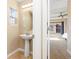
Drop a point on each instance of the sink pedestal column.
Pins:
(26, 48)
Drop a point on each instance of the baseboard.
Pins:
(68, 51)
(18, 49)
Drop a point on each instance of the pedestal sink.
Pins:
(26, 37)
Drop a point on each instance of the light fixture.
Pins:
(27, 5)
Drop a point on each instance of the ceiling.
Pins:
(57, 6)
(23, 2)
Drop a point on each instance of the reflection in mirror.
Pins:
(58, 17)
(57, 28)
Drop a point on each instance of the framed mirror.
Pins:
(57, 26)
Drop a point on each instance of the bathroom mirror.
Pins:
(27, 20)
(58, 17)
(57, 27)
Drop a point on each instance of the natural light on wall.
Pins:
(54, 38)
(27, 5)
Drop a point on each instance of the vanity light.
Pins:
(27, 5)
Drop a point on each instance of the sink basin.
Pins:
(26, 36)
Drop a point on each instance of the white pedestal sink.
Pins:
(26, 37)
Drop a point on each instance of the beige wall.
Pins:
(69, 34)
(65, 25)
(69, 7)
(69, 26)
(12, 29)
(21, 29)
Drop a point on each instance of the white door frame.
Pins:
(37, 29)
(40, 19)
(45, 18)
(44, 21)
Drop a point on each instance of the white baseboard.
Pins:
(68, 51)
(19, 49)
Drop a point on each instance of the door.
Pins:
(54, 44)
(37, 29)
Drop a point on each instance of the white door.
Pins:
(37, 29)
